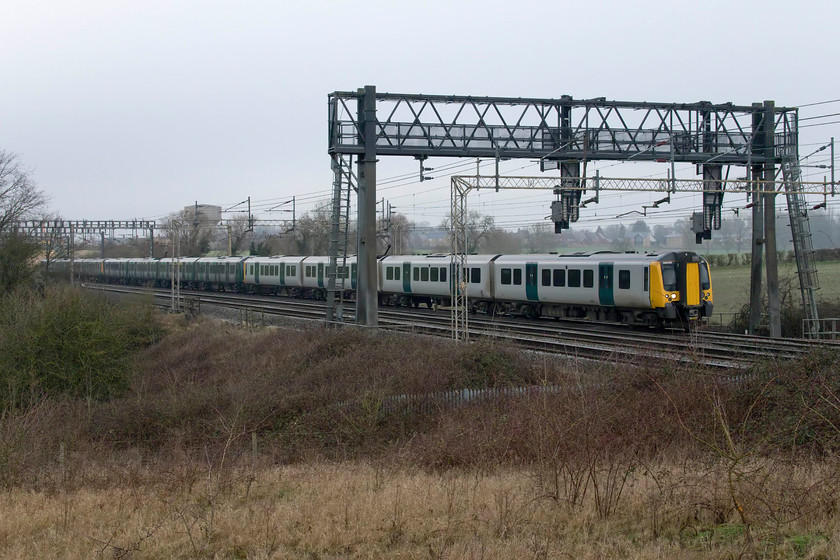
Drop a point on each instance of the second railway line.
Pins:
(575, 339)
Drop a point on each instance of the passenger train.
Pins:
(665, 289)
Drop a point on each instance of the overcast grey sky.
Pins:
(134, 110)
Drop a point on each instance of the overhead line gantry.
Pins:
(565, 133)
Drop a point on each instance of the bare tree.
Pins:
(192, 238)
(237, 230)
(478, 227)
(537, 238)
(53, 243)
(399, 234)
(20, 199)
(312, 231)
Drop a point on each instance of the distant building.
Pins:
(673, 241)
(203, 214)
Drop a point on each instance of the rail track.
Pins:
(577, 339)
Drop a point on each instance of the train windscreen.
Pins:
(705, 281)
(669, 276)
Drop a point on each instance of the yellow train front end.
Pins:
(681, 289)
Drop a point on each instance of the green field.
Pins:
(731, 285)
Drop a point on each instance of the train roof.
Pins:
(436, 258)
(592, 257)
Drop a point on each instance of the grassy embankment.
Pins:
(229, 443)
(732, 285)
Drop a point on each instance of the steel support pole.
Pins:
(367, 312)
(759, 124)
(72, 253)
(773, 302)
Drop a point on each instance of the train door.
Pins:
(321, 275)
(692, 283)
(407, 277)
(605, 284)
(282, 274)
(257, 274)
(531, 282)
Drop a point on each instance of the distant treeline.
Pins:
(742, 259)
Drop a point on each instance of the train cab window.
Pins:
(559, 279)
(647, 279)
(506, 276)
(588, 278)
(416, 274)
(623, 279)
(396, 273)
(517, 276)
(546, 277)
(424, 274)
(443, 274)
(669, 277)
(250, 269)
(574, 278)
(474, 275)
(705, 281)
(389, 273)
(434, 273)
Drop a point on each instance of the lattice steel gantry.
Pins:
(563, 134)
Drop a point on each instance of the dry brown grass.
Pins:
(233, 443)
(361, 510)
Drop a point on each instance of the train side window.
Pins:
(517, 276)
(574, 278)
(250, 269)
(416, 274)
(559, 279)
(424, 274)
(546, 277)
(588, 278)
(506, 276)
(647, 280)
(623, 279)
(389, 273)
(475, 276)
(396, 273)
(434, 272)
(443, 274)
